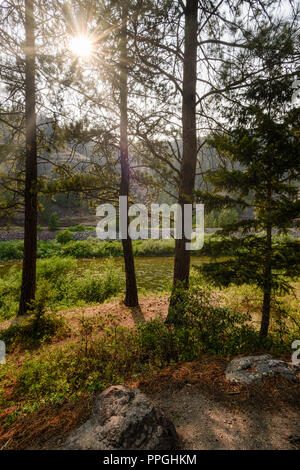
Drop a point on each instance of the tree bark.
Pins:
(131, 297)
(265, 320)
(189, 138)
(30, 226)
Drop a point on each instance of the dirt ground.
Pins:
(210, 414)
(207, 411)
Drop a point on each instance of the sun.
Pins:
(81, 46)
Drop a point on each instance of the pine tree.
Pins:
(131, 297)
(263, 149)
(31, 207)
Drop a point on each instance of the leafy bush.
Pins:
(48, 249)
(81, 228)
(96, 289)
(12, 250)
(53, 223)
(64, 237)
(55, 268)
(220, 330)
(37, 328)
(65, 285)
(10, 287)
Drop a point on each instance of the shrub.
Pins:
(65, 285)
(55, 268)
(10, 287)
(96, 289)
(64, 237)
(48, 249)
(81, 228)
(220, 330)
(12, 250)
(53, 223)
(38, 328)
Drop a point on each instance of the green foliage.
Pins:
(64, 284)
(245, 263)
(47, 249)
(95, 289)
(262, 150)
(55, 268)
(211, 219)
(9, 293)
(37, 328)
(53, 223)
(12, 250)
(91, 248)
(81, 228)
(153, 247)
(34, 331)
(45, 204)
(216, 219)
(228, 216)
(219, 330)
(64, 237)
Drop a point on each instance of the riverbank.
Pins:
(92, 247)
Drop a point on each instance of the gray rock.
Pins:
(251, 369)
(124, 418)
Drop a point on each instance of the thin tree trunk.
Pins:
(265, 321)
(189, 137)
(131, 297)
(30, 226)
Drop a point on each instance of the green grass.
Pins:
(91, 248)
(65, 284)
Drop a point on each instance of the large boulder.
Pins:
(250, 369)
(124, 418)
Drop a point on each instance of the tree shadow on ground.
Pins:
(137, 314)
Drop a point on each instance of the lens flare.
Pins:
(81, 46)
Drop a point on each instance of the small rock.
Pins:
(251, 369)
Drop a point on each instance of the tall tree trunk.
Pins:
(131, 297)
(189, 137)
(30, 227)
(265, 320)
